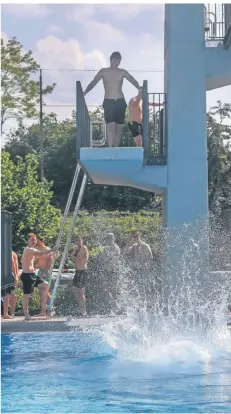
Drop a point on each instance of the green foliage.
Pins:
(20, 92)
(93, 228)
(60, 164)
(219, 158)
(28, 200)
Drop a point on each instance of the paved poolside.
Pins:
(52, 324)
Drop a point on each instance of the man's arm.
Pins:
(86, 253)
(155, 104)
(15, 268)
(149, 251)
(128, 248)
(36, 252)
(94, 82)
(131, 79)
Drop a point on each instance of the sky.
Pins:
(82, 36)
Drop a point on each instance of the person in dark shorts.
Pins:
(114, 103)
(29, 278)
(135, 117)
(136, 131)
(29, 282)
(80, 256)
(114, 110)
(80, 279)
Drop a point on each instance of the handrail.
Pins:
(157, 123)
(98, 142)
(145, 121)
(83, 122)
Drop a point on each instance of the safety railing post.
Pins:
(145, 123)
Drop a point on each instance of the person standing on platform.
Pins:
(10, 299)
(114, 102)
(80, 256)
(135, 115)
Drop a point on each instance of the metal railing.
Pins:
(154, 122)
(98, 133)
(214, 22)
(83, 121)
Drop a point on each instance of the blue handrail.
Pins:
(83, 123)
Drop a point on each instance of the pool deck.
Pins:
(52, 324)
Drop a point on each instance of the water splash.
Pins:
(189, 330)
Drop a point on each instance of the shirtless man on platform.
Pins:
(80, 256)
(114, 103)
(29, 278)
(135, 117)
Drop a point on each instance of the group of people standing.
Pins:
(108, 270)
(37, 259)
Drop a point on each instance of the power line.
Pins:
(96, 70)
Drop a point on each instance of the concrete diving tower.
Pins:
(173, 160)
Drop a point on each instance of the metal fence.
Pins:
(214, 21)
(154, 122)
(6, 251)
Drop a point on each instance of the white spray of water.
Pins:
(191, 330)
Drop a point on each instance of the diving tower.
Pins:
(173, 160)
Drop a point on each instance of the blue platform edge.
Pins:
(123, 166)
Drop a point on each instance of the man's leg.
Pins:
(81, 298)
(111, 134)
(25, 301)
(43, 292)
(118, 135)
(139, 141)
(6, 302)
(82, 301)
(13, 303)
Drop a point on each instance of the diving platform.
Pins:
(123, 166)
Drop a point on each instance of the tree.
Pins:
(20, 92)
(28, 200)
(60, 163)
(219, 158)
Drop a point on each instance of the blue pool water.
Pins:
(72, 372)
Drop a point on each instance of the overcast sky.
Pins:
(83, 37)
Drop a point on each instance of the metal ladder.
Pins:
(69, 236)
(75, 213)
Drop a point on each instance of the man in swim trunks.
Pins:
(10, 297)
(29, 278)
(114, 103)
(135, 117)
(44, 264)
(80, 256)
(142, 260)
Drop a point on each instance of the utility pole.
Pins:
(41, 124)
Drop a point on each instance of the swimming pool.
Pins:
(71, 372)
